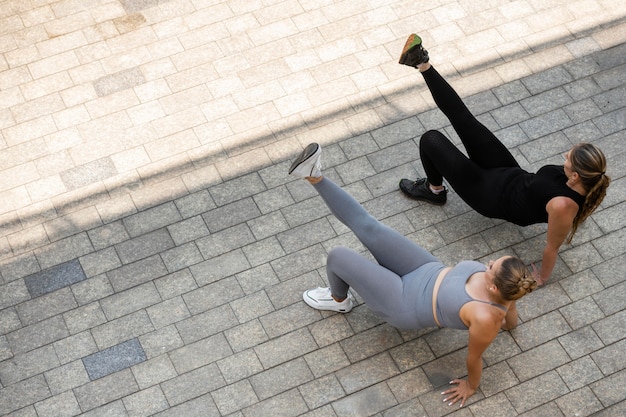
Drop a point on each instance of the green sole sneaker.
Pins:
(413, 52)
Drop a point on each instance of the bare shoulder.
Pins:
(562, 205)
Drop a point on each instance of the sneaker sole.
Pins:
(308, 152)
(412, 41)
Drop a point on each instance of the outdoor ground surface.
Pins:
(153, 251)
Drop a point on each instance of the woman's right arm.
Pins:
(561, 214)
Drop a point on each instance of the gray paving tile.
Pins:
(54, 278)
(113, 359)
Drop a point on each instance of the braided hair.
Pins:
(590, 164)
(514, 279)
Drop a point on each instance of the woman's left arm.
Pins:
(482, 331)
(561, 214)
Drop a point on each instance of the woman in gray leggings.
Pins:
(408, 287)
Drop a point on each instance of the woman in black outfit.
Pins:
(492, 182)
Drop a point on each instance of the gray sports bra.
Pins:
(452, 294)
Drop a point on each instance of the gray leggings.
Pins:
(396, 288)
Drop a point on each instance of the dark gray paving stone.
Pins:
(54, 278)
(114, 359)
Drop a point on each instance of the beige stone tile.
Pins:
(107, 11)
(185, 99)
(79, 94)
(208, 15)
(47, 85)
(71, 117)
(11, 97)
(146, 112)
(69, 23)
(45, 188)
(156, 70)
(123, 61)
(10, 24)
(267, 52)
(203, 35)
(14, 199)
(37, 107)
(53, 64)
(213, 131)
(14, 77)
(37, 16)
(60, 44)
(6, 120)
(172, 145)
(64, 226)
(130, 159)
(253, 117)
(178, 122)
(132, 40)
(165, 48)
(29, 130)
(53, 163)
(152, 90)
(291, 104)
(258, 95)
(113, 103)
(63, 139)
(158, 193)
(18, 175)
(95, 51)
(193, 57)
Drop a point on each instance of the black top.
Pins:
(525, 195)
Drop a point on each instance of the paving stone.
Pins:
(146, 403)
(552, 354)
(54, 278)
(285, 348)
(26, 365)
(225, 241)
(547, 387)
(580, 342)
(152, 219)
(246, 335)
(62, 404)
(144, 246)
(281, 378)
(187, 230)
(119, 330)
(284, 405)
(580, 373)
(160, 341)
(137, 273)
(219, 267)
(37, 335)
(121, 80)
(231, 214)
(84, 317)
(367, 401)
(23, 393)
(609, 389)
(200, 353)
(192, 384)
(46, 306)
(64, 250)
(239, 366)
(66, 377)
(582, 402)
(88, 173)
(113, 359)
(104, 390)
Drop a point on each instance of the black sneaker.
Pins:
(413, 53)
(419, 190)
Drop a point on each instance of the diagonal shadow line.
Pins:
(605, 59)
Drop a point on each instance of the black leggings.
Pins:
(470, 177)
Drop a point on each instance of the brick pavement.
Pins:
(153, 251)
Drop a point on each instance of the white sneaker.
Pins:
(321, 299)
(308, 163)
